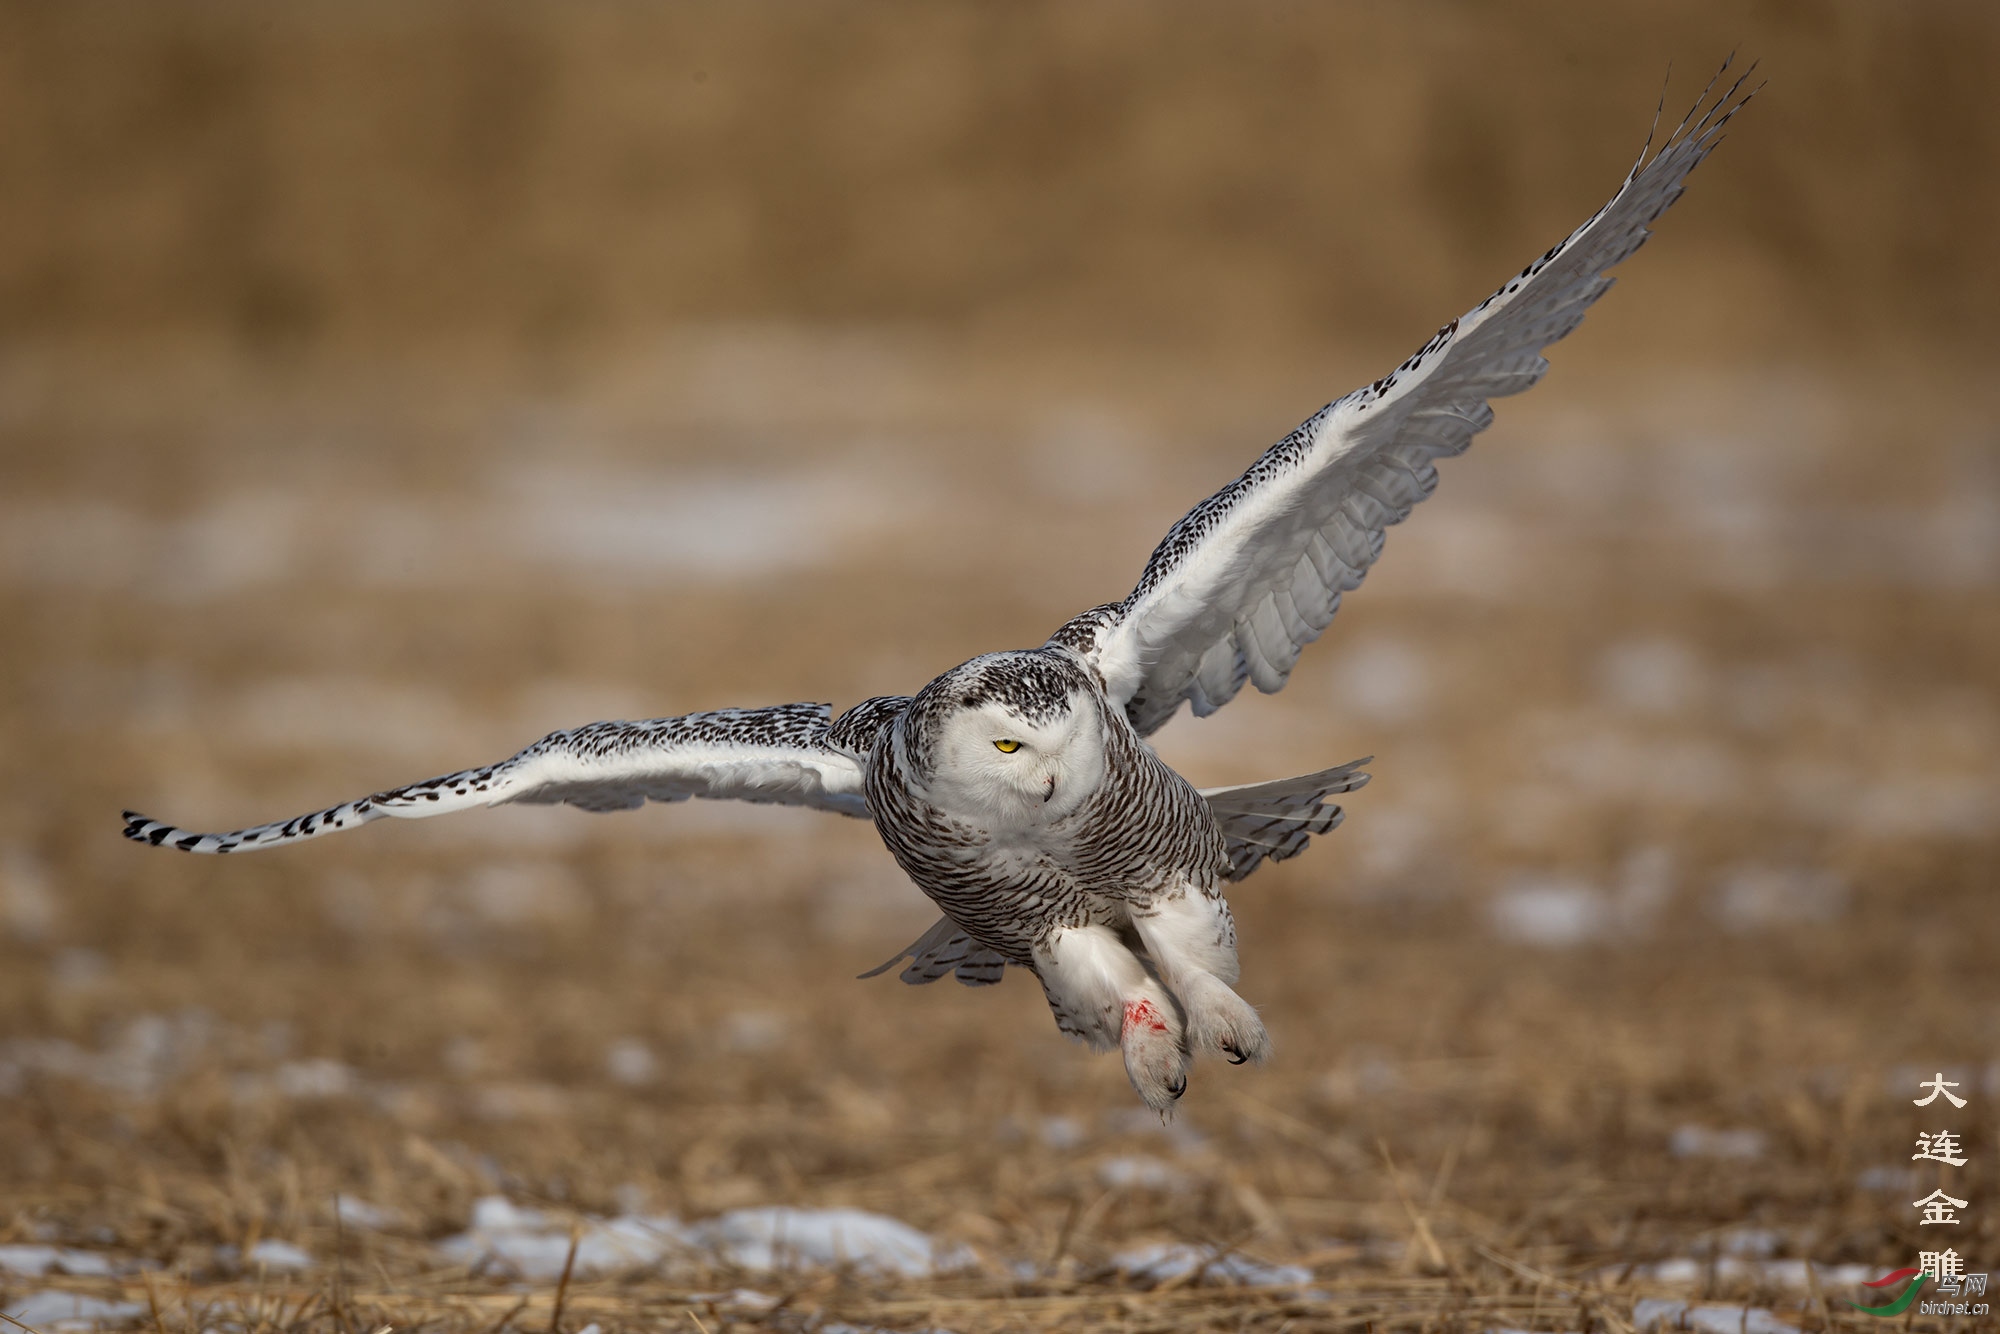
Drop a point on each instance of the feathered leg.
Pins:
(1192, 940)
(1101, 993)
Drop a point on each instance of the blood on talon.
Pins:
(1141, 1012)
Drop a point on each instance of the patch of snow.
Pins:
(637, 527)
(1756, 898)
(1364, 1073)
(780, 1237)
(314, 1079)
(519, 893)
(534, 1245)
(360, 1213)
(1602, 763)
(1778, 1273)
(1889, 1179)
(630, 1062)
(1759, 1241)
(274, 1254)
(1062, 1132)
(464, 1057)
(1692, 1141)
(519, 1101)
(753, 1030)
(1793, 1273)
(1654, 1313)
(27, 904)
(530, 1244)
(50, 1311)
(1926, 805)
(1137, 1171)
(1557, 911)
(744, 1297)
(1135, 1121)
(1165, 1261)
(1655, 677)
(497, 1213)
(642, 527)
(35, 1261)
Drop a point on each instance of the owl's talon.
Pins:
(1221, 1021)
(1156, 1054)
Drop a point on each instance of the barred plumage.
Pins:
(1016, 789)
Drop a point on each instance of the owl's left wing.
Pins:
(1254, 573)
(790, 753)
(1274, 821)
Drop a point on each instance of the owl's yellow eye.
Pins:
(1006, 747)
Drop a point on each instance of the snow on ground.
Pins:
(35, 1261)
(49, 1311)
(780, 1238)
(1141, 1171)
(1779, 1273)
(637, 527)
(1693, 1141)
(535, 1245)
(277, 1255)
(1166, 1261)
(1711, 1318)
(355, 1213)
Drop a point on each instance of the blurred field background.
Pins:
(382, 386)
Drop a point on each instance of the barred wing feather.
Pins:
(782, 754)
(945, 948)
(1254, 573)
(1273, 821)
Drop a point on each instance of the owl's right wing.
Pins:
(787, 754)
(945, 948)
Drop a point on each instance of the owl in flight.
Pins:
(1017, 790)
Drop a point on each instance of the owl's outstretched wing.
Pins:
(1274, 821)
(1254, 573)
(784, 754)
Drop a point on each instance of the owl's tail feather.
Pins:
(1276, 820)
(945, 949)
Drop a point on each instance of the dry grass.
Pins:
(1703, 657)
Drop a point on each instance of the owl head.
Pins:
(1008, 737)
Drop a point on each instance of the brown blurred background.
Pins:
(382, 386)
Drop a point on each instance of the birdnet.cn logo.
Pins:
(1955, 1287)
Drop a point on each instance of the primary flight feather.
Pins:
(1016, 789)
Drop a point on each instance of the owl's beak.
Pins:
(1051, 790)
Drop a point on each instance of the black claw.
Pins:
(1178, 1087)
(1235, 1057)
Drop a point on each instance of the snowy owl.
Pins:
(1018, 790)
